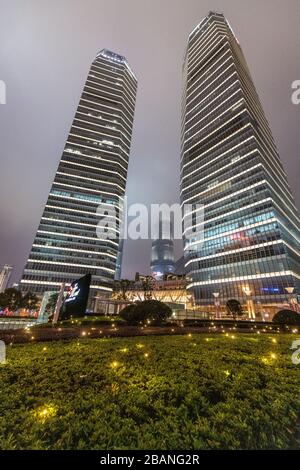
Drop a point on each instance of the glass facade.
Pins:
(230, 165)
(162, 250)
(92, 170)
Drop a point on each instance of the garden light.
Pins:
(45, 412)
(114, 364)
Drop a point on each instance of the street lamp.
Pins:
(217, 303)
(250, 304)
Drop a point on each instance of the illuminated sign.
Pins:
(77, 297)
(73, 293)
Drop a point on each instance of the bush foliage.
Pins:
(152, 311)
(287, 317)
(234, 308)
(178, 392)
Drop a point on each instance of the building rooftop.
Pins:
(114, 57)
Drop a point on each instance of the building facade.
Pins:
(89, 185)
(5, 276)
(162, 250)
(247, 246)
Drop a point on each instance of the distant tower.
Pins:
(162, 252)
(92, 172)
(4, 276)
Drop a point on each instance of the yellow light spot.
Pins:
(227, 373)
(227, 334)
(190, 335)
(83, 333)
(274, 340)
(45, 412)
(232, 336)
(146, 355)
(124, 350)
(32, 337)
(140, 345)
(273, 356)
(114, 364)
(45, 349)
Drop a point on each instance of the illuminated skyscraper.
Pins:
(230, 165)
(92, 171)
(162, 250)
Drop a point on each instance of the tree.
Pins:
(148, 311)
(147, 285)
(234, 308)
(130, 314)
(11, 298)
(287, 317)
(30, 301)
(121, 288)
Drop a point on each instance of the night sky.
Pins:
(46, 48)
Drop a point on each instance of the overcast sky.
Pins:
(46, 48)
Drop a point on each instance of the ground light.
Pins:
(114, 364)
(45, 412)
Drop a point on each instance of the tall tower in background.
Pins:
(230, 164)
(5, 276)
(162, 250)
(92, 171)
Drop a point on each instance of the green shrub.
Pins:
(287, 317)
(204, 391)
(148, 311)
(234, 308)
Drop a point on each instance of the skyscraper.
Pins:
(92, 171)
(230, 164)
(162, 250)
(5, 276)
